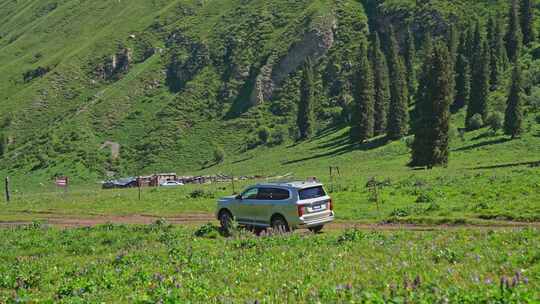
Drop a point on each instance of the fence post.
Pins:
(7, 189)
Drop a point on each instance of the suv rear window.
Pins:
(313, 192)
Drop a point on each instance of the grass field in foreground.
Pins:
(159, 263)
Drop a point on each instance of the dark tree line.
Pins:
(457, 71)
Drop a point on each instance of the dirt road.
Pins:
(194, 219)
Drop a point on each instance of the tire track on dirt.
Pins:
(191, 219)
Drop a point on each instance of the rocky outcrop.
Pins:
(115, 65)
(314, 44)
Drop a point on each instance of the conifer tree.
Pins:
(453, 42)
(430, 146)
(398, 116)
(497, 52)
(364, 99)
(513, 116)
(2, 144)
(527, 21)
(409, 55)
(423, 79)
(462, 83)
(514, 36)
(480, 78)
(305, 108)
(381, 85)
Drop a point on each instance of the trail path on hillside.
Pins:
(193, 219)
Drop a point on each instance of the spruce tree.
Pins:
(423, 79)
(409, 55)
(381, 85)
(430, 146)
(398, 116)
(2, 144)
(453, 43)
(462, 83)
(497, 52)
(527, 21)
(305, 108)
(514, 37)
(513, 116)
(364, 99)
(480, 78)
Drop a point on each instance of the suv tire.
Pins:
(225, 220)
(316, 229)
(279, 224)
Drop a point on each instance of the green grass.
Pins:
(158, 263)
(488, 179)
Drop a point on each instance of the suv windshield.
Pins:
(309, 193)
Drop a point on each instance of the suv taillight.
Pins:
(300, 210)
(330, 204)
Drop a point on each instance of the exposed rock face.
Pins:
(314, 44)
(115, 65)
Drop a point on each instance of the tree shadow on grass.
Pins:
(482, 144)
(346, 147)
(508, 165)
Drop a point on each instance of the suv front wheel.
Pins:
(279, 224)
(225, 220)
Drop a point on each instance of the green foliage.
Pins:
(527, 21)
(478, 101)
(475, 122)
(495, 121)
(514, 35)
(381, 85)
(305, 118)
(409, 55)
(363, 111)
(263, 134)
(431, 140)
(398, 115)
(219, 155)
(498, 59)
(463, 83)
(513, 118)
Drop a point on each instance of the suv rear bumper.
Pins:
(312, 222)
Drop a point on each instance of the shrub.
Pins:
(277, 137)
(199, 193)
(207, 230)
(476, 122)
(263, 133)
(495, 121)
(219, 155)
(537, 118)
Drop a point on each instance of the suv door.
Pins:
(271, 200)
(246, 206)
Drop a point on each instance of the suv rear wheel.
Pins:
(316, 229)
(279, 224)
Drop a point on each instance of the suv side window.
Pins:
(280, 194)
(250, 193)
(264, 194)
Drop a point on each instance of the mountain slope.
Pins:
(173, 81)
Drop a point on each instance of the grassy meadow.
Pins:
(159, 263)
(488, 178)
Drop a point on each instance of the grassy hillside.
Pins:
(172, 81)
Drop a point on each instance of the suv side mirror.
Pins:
(238, 197)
